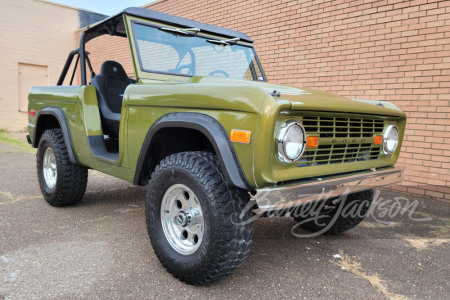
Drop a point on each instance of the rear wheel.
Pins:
(197, 224)
(61, 182)
(339, 215)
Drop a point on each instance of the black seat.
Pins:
(110, 85)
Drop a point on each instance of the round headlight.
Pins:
(390, 139)
(291, 141)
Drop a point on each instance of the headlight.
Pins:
(291, 141)
(390, 139)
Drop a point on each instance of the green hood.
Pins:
(313, 100)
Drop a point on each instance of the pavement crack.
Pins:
(377, 225)
(354, 267)
(85, 222)
(126, 210)
(15, 151)
(7, 195)
(88, 221)
(424, 243)
(13, 199)
(440, 234)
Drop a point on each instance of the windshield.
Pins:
(164, 50)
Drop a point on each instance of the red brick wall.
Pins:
(397, 51)
(104, 48)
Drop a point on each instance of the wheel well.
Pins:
(45, 122)
(172, 140)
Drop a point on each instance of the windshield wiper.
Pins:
(224, 42)
(185, 31)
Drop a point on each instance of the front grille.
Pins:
(342, 127)
(339, 153)
(342, 140)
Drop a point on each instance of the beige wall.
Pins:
(36, 35)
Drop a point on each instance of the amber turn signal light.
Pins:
(378, 140)
(240, 136)
(312, 141)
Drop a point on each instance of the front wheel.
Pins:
(338, 215)
(198, 225)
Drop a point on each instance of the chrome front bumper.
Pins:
(277, 198)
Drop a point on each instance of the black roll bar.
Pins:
(74, 70)
(67, 65)
(82, 58)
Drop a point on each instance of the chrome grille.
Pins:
(342, 127)
(342, 140)
(339, 153)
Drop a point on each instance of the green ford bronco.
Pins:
(214, 142)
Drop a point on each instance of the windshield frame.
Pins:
(199, 34)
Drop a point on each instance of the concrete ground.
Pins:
(99, 249)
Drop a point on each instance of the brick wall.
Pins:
(394, 50)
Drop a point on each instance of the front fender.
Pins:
(216, 135)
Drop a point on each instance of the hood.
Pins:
(313, 100)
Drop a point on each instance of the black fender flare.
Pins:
(216, 135)
(61, 118)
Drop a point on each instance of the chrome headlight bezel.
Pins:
(281, 138)
(386, 133)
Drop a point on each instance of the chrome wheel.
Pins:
(182, 219)
(49, 168)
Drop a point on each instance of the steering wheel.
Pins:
(189, 66)
(219, 72)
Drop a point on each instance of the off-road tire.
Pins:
(227, 237)
(342, 223)
(71, 179)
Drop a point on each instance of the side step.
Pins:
(98, 148)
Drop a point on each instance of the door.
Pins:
(29, 76)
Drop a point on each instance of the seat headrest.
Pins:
(112, 68)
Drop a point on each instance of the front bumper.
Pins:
(278, 198)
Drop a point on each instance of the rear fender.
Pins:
(60, 117)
